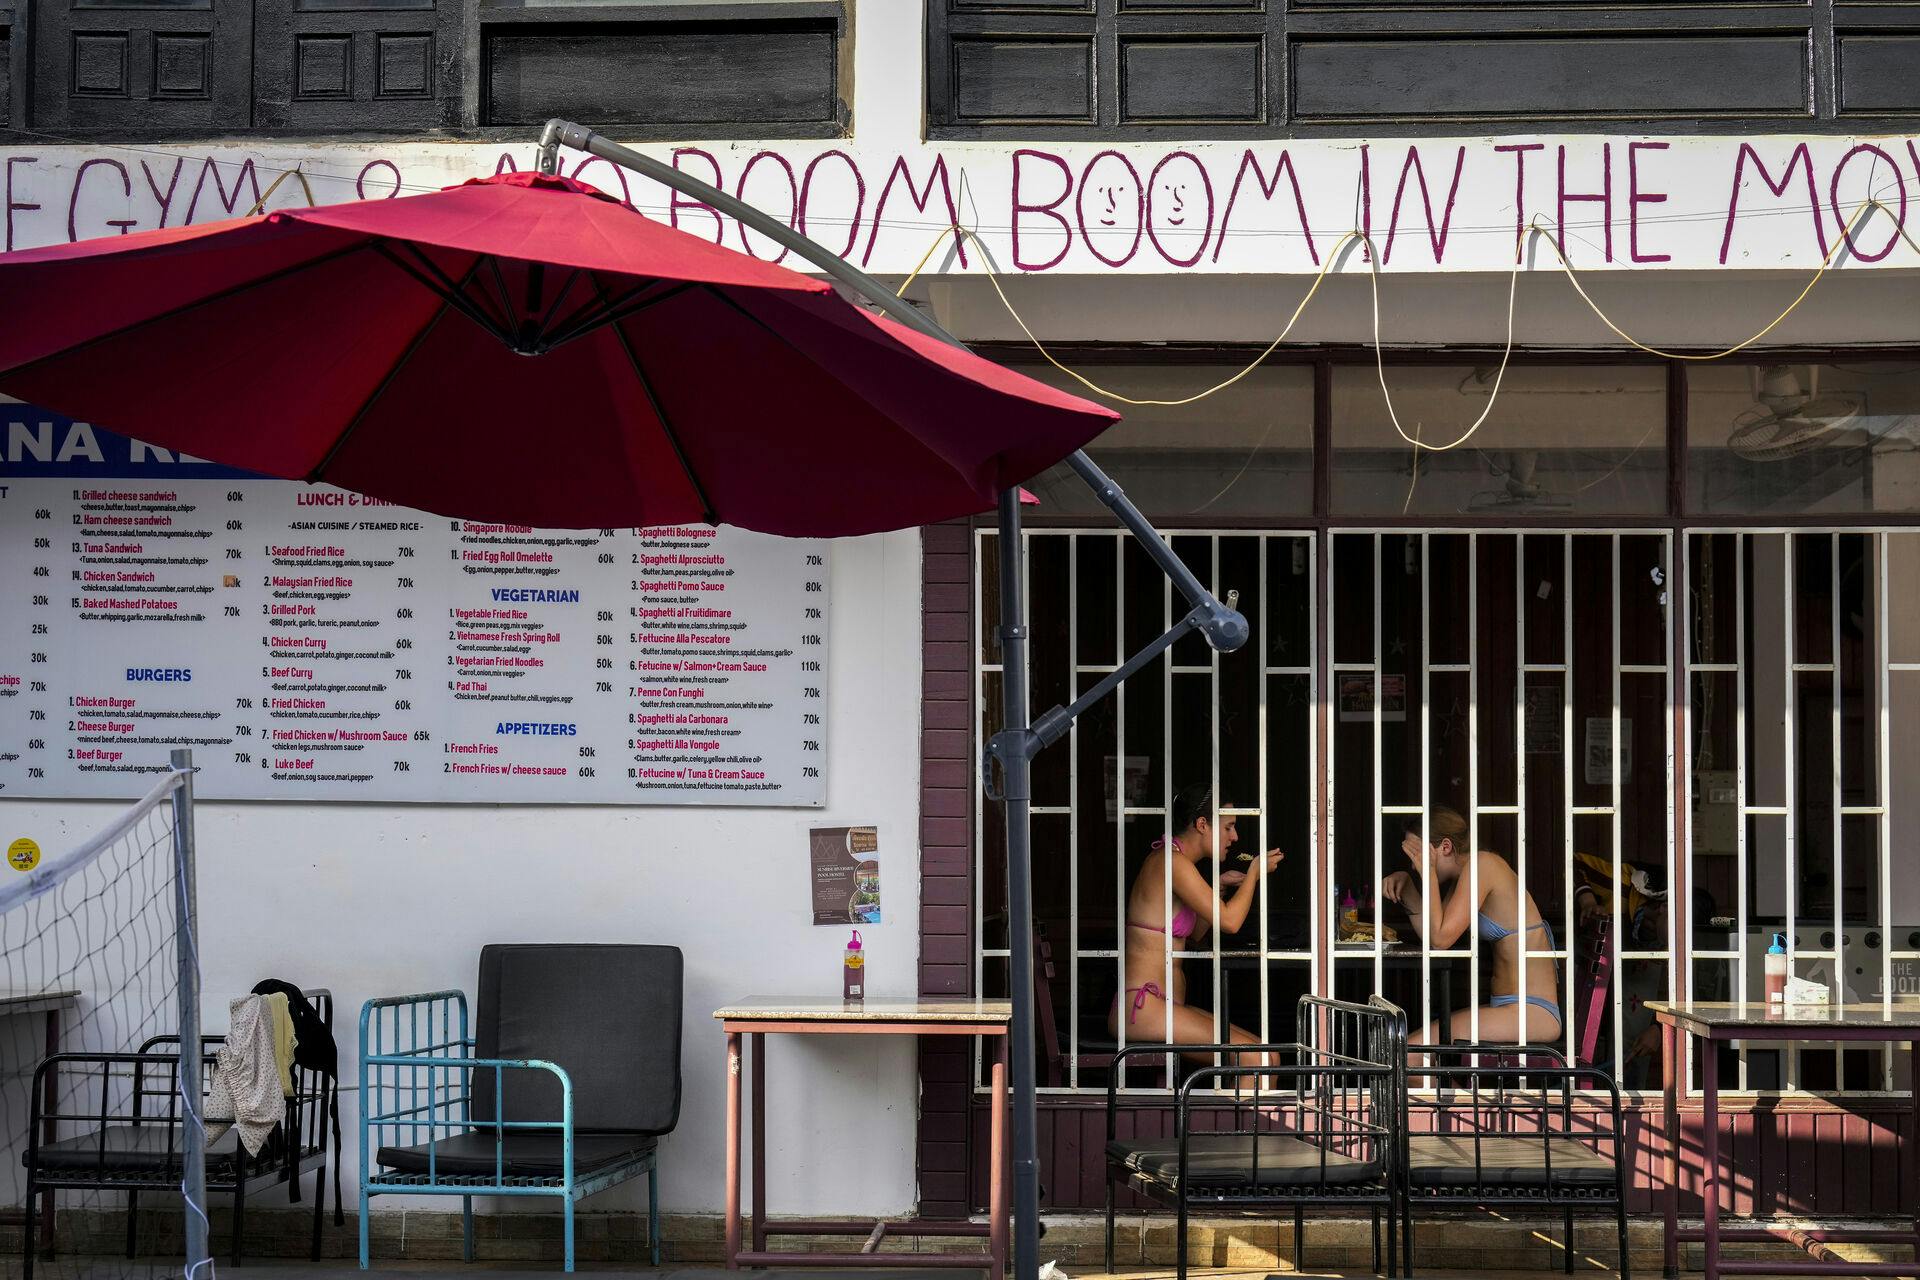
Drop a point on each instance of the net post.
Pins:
(194, 1137)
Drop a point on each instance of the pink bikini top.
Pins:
(1184, 919)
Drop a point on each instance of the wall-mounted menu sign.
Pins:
(314, 644)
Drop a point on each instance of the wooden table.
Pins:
(756, 1020)
(49, 1005)
(1713, 1024)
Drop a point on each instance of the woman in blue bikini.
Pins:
(1504, 913)
(1149, 1010)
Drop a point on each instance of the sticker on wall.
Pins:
(1135, 769)
(846, 874)
(1544, 706)
(1599, 752)
(1356, 698)
(23, 854)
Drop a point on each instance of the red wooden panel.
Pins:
(947, 773)
(943, 1157)
(947, 566)
(945, 979)
(946, 684)
(946, 891)
(947, 744)
(947, 627)
(946, 656)
(943, 802)
(949, 537)
(946, 597)
(942, 949)
(938, 919)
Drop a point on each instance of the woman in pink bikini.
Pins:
(1154, 924)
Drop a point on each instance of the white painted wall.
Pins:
(385, 899)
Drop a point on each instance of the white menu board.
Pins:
(314, 644)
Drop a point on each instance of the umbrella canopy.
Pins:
(525, 349)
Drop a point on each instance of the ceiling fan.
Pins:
(1788, 420)
(1519, 489)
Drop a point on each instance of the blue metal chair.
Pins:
(590, 1038)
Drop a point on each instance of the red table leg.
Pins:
(998, 1158)
(733, 1151)
(759, 1142)
(1671, 1044)
(1710, 1159)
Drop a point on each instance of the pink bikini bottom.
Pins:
(1139, 1000)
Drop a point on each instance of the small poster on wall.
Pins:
(846, 874)
(1544, 707)
(1356, 698)
(1599, 753)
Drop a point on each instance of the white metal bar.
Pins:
(1379, 701)
(1617, 773)
(1791, 1058)
(1315, 816)
(1742, 553)
(1165, 663)
(1837, 868)
(1220, 1019)
(1567, 739)
(1473, 794)
(1862, 810)
(1678, 566)
(1073, 818)
(1641, 668)
(1121, 813)
(1288, 671)
(1520, 743)
(1261, 728)
(1883, 741)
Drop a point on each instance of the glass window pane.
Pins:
(1244, 451)
(1560, 441)
(1792, 438)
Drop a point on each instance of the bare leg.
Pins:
(1151, 1022)
(1498, 1025)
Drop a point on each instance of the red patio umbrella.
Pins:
(383, 346)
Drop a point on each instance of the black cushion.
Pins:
(1447, 1160)
(528, 1155)
(139, 1149)
(608, 1015)
(1241, 1159)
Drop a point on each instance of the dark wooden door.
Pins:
(353, 65)
(154, 66)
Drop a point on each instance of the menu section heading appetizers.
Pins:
(314, 644)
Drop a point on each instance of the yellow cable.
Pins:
(1373, 276)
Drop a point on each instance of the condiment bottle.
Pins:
(1777, 974)
(853, 974)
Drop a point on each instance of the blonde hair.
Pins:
(1447, 824)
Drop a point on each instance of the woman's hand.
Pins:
(1233, 877)
(1265, 862)
(1398, 887)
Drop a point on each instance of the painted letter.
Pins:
(79, 180)
(1846, 220)
(1604, 199)
(1520, 150)
(1635, 200)
(1176, 208)
(16, 206)
(859, 197)
(359, 182)
(1436, 232)
(676, 202)
(793, 196)
(173, 184)
(1109, 218)
(1285, 166)
(921, 199)
(1051, 209)
(1801, 156)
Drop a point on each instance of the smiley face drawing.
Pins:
(1110, 205)
(1180, 208)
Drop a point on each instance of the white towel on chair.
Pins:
(247, 1087)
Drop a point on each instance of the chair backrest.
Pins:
(1053, 1059)
(609, 1015)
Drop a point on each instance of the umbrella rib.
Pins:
(451, 293)
(611, 316)
(398, 366)
(538, 341)
(186, 307)
(593, 309)
(660, 414)
(500, 288)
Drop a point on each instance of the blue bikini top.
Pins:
(1492, 930)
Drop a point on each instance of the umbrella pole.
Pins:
(1016, 767)
(1020, 739)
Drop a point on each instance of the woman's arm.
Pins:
(1460, 904)
(1195, 892)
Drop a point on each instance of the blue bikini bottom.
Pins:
(1539, 1002)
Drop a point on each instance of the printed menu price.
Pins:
(317, 644)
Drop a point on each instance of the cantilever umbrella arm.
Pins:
(1014, 748)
